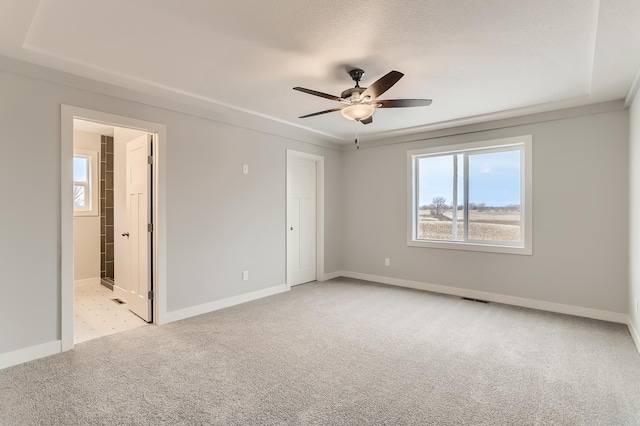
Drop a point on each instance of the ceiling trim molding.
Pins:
(164, 91)
(560, 114)
(175, 101)
(536, 110)
(633, 90)
(203, 108)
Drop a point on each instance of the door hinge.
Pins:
(150, 159)
(150, 227)
(150, 294)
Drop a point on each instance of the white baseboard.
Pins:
(331, 275)
(634, 333)
(39, 351)
(224, 303)
(494, 297)
(86, 281)
(29, 354)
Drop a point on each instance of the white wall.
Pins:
(86, 229)
(219, 222)
(580, 215)
(634, 201)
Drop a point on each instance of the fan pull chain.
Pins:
(356, 141)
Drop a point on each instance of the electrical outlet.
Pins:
(245, 275)
(245, 169)
(387, 262)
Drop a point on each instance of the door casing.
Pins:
(68, 114)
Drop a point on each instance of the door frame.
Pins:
(319, 160)
(158, 190)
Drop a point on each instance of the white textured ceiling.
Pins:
(473, 58)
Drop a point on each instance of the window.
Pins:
(473, 196)
(85, 183)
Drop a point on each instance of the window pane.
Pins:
(79, 197)
(494, 196)
(437, 198)
(80, 169)
(479, 207)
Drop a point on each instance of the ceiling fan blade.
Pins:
(402, 103)
(382, 85)
(321, 112)
(367, 120)
(316, 93)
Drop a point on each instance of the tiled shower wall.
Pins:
(106, 207)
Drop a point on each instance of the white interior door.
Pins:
(133, 278)
(301, 220)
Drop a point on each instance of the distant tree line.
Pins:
(439, 205)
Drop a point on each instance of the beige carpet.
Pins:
(344, 352)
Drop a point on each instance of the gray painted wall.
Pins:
(580, 214)
(230, 222)
(219, 222)
(634, 232)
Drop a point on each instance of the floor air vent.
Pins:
(118, 301)
(475, 300)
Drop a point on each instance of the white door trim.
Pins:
(68, 113)
(319, 160)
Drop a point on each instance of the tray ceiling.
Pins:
(474, 59)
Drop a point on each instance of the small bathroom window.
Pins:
(85, 183)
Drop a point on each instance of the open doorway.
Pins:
(102, 180)
(109, 226)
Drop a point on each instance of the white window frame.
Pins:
(524, 247)
(93, 187)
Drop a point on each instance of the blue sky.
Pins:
(494, 178)
(80, 169)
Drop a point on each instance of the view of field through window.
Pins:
(494, 196)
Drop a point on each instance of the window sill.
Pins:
(487, 248)
(85, 214)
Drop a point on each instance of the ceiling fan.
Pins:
(361, 102)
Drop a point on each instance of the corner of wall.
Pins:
(634, 207)
(634, 333)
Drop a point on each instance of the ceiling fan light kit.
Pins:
(358, 112)
(361, 102)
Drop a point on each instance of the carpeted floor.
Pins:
(343, 352)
